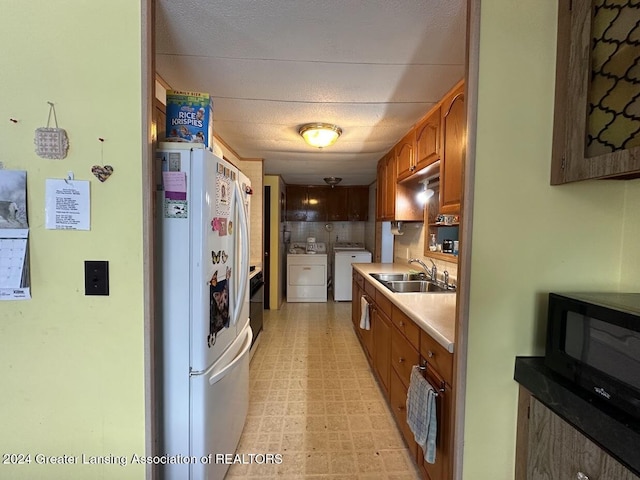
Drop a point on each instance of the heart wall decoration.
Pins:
(102, 173)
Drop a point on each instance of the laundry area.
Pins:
(318, 266)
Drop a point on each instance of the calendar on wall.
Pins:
(14, 236)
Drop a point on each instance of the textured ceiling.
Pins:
(372, 67)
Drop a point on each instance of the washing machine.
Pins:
(307, 272)
(344, 254)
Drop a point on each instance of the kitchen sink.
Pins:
(409, 283)
(414, 286)
(397, 277)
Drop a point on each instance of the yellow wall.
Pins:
(528, 238)
(72, 366)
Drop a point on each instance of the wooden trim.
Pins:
(148, 97)
(464, 259)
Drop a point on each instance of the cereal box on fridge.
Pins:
(189, 117)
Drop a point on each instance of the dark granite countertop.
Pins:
(614, 431)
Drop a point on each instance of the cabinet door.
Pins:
(398, 401)
(382, 347)
(337, 202)
(296, 203)
(381, 189)
(355, 303)
(317, 204)
(405, 156)
(357, 204)
(440, 470)
(558, 450)
(428, 140)
(453, 151)
(595, 122)
(390, 187)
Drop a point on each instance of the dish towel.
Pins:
(365, 323)
(421, 413)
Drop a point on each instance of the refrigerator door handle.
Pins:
(219, 375)
(244, 260)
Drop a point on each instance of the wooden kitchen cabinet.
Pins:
(428, 140)
(318, 203)
(595, 122)
(549, 448)
(404, 152)
(399, 344)
(454, 139)
(386, 184)
(296, 203)
(381, 328)
(357, 203)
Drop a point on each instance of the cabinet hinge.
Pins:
(528, 412)
(564, 162)
(570, 5)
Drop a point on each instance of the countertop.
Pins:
(435, 313)
(610, 428)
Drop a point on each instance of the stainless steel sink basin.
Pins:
(415, 286)
(397, 277)
(409, 283)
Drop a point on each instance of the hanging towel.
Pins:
(421, 413)
(365, 323)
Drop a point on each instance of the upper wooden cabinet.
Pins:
(453, 150)
(404, 152)
(320, 203)
(296, 203)
(596, 119)
(386, 194)
(428, 140)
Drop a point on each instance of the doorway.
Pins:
(266, 263)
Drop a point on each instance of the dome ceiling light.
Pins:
(320, 135)
(333, 181)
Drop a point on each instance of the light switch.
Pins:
(96, 277)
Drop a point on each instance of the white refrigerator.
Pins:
(205, 337)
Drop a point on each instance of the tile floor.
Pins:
(314, 400)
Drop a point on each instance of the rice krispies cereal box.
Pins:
(189, 117)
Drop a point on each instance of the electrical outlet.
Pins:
(96, 277)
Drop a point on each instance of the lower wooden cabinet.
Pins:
(550, 448)
(393, 346)
(382, 346)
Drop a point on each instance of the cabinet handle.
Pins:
(401, 408)
(401, 323)
(582, 476)
(400, 360)
(430, 354)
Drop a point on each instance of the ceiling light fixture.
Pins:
(320, 135)
(333, 181)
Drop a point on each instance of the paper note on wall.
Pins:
(67, 205)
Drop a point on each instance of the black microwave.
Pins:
(593, 339)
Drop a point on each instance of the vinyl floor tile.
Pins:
(314, 402)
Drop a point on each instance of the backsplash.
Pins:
(327, 232)
(411, 245)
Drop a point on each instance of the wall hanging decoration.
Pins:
(102, 172)
(51, 142)
(15, 283)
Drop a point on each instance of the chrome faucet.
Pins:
(432, 272)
